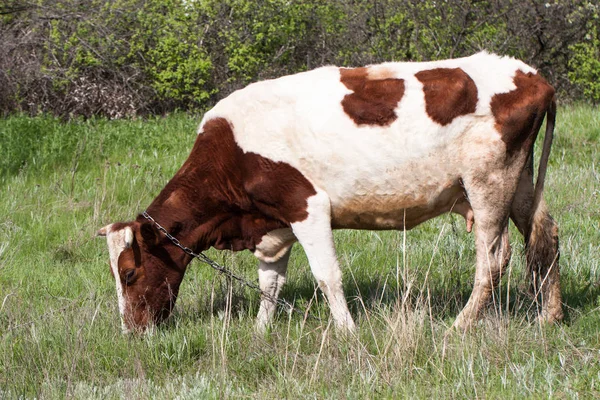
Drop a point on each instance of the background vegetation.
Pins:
(60, 331)
(129, 57)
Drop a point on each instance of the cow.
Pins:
(381, 147)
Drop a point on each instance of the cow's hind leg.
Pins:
(541, 241)
(490, 203)
(316, 237)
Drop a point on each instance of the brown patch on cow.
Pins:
(373, 101)
(129, 260)
(227, 198)
(143, 275)
(220, 197)
(380, 72)
(117, 226)
(449, 93)
(519, 113)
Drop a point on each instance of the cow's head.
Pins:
(147, 273)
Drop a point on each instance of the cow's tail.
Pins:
(548, 137)
(542, 242)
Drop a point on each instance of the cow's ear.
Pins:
(149, 233)
(104, 230)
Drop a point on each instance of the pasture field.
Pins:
(60, 332)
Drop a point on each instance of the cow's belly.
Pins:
(390, 188)
(405, 209)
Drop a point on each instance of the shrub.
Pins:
(129, 57)
(585, 62)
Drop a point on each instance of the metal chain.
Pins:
(222, 270)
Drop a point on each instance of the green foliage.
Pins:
(261, 39)
(161, 40)
(585, 64)
(179, 66)
(129, 57)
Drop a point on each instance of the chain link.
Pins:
(222, 270)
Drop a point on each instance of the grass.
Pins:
(60, 332)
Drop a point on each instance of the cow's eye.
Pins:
(129, 276)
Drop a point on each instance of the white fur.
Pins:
(316, 237)
(117, 242)
(274, 245)
(273, 253)
(128, 237)
(271, 277)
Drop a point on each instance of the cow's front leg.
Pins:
(273, 253)
(271, 277)
(316, 237)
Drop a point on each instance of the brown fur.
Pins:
(117, 226)
(449, 93)
(220, 197)
(230, 199)
(150, 276)
(541, 240)
(374, 100)
(520, 112)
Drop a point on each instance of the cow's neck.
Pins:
(181, 220)
(205, 204)
(194, 212)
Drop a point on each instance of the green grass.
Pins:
(60, 331)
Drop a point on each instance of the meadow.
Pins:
(60, 333)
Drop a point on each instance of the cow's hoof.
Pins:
(550, 317)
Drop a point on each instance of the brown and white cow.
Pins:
(387, 146)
